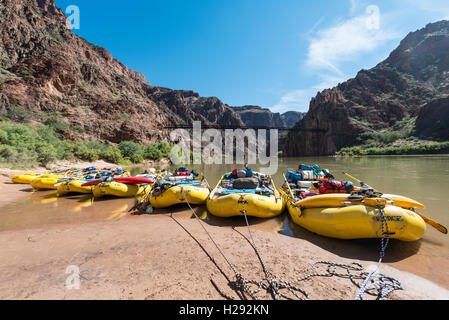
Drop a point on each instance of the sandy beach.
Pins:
(168, 255)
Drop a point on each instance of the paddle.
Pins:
(289, 189)
(275, 191)
(429, 221)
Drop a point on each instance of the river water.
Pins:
(423, 178)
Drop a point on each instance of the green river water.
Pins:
(423, 178)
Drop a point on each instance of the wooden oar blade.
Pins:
(434, 224)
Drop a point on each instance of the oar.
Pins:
(275, 191)
(289, 189)
(429, 221)
(212, 193)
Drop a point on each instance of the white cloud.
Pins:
(332, 46)
(345, 41)
(299, 100)
(296, 100)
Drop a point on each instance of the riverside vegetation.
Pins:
(401, 139)
(23, 145)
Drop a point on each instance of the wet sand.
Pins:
(169, 256)
(164, 257)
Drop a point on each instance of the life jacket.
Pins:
(333, 186)
(181, 172)
(306, 194)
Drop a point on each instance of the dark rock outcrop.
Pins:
(184, 106)
(433, 120)
(255, 116)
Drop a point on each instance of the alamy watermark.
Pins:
(73, 20)
(72, 282)
(239, 146)
(373, 19)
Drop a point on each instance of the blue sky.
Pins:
(276, 54)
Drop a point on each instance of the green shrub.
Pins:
(152, 152)
(157, 151)
(424, 148)
(8, 153)
(165, 149)
(112, 154)
(390, 136)
(129, 148)
(136, 158)
(46, 154)
(81, 151)
(125, 162)
(24, 145)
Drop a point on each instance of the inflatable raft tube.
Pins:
(341, 199)
(255, 205)
(124, 180)
(179, 194)
(361, 221)
(117, 189)
(45, 183)
(358, 221)
(74, 186)
(24, 178)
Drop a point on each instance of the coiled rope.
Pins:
(385, 285)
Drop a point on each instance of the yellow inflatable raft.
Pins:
(343, 199)
(45, 182)
(226, 202)
(177, 192)
(117, 189)
(24, 178)
(73, 186)
(339, 216)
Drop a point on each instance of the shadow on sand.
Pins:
(361, 249)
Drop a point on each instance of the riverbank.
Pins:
(100, 164)
(402, 147)
(168, 256)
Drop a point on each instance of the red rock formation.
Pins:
(415, 74)
(52, 70)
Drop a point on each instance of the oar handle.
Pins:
(429, 221)
(359, 181)
(289, 189)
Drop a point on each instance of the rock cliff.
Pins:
(410, 84)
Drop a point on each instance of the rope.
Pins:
(385, 285)
(268, 283)
(380, 285)
(208, 234)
